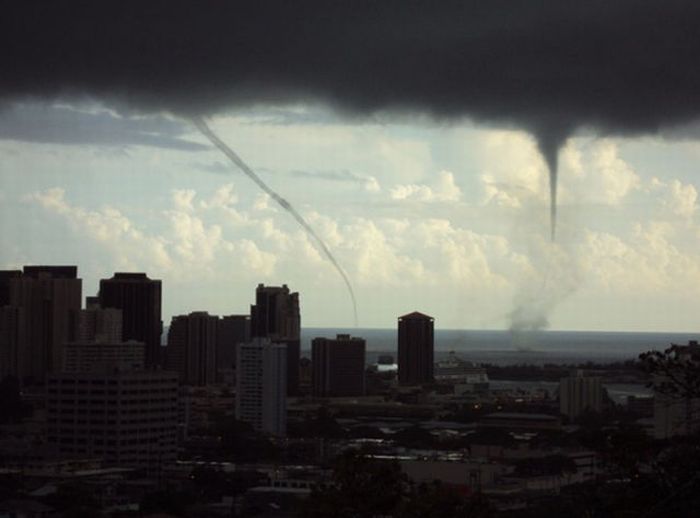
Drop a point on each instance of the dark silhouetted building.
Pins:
(48, 298)
(104, 356)
(139, 298)
(128, 418)
(192, 344)
(275, 315)
(338, 366)
(416, 345)
(98, 343)
(97, 324)
(233, 330)
(11, 328)
(5, 276)
(12, 341)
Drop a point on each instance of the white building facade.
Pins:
(261, 385)
(579, 393)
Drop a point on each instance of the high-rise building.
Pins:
(49, 297)
(11, 329)
(5, 276)
(96, 324)
(127, 418)
(139, 298)
(416, 343)
(192, 344)
(276, 316)
(261, 385)
(98, 344)
(233, 330)
(579, 393)
(102, 356)
(12, 341)
(338, 366)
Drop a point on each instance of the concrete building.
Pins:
(5, 276)
(127, 418)
(338, 366)
(415, 343)
(579, 393)
(96, 324)
(233, 330)
(275, 315)
(12, 341)
(103, 356)
(261, 385)
(139, 298)
(192, 345)
(11, 328)
(49, 298)
(461, 373)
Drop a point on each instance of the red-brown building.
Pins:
(338, 366)
(416, 343)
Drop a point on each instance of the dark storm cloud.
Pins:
(547, 66)
(65, 125)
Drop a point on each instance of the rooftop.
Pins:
(519, 415)
(416, 316)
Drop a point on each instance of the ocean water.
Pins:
(506, 348)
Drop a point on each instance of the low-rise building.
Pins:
(467, 376)
(521, 421)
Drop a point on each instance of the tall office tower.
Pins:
(12, 332)
(11, 328)
(102, 356)
(261, 385)
(139, 298)
(127, 418)
(233, 330)
(192, 342)
(275, 315)
(416, 345)
(338, 366)
(50, 297)
(97, 324)
(579, 393)
(5, 276)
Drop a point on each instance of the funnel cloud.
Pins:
(204, 128)
(626, 67)
(546, 66)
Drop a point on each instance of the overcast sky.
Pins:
(419, 139)
(449, 219)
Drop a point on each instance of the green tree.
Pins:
(436, 500)
(361, 486)
(675, 371)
